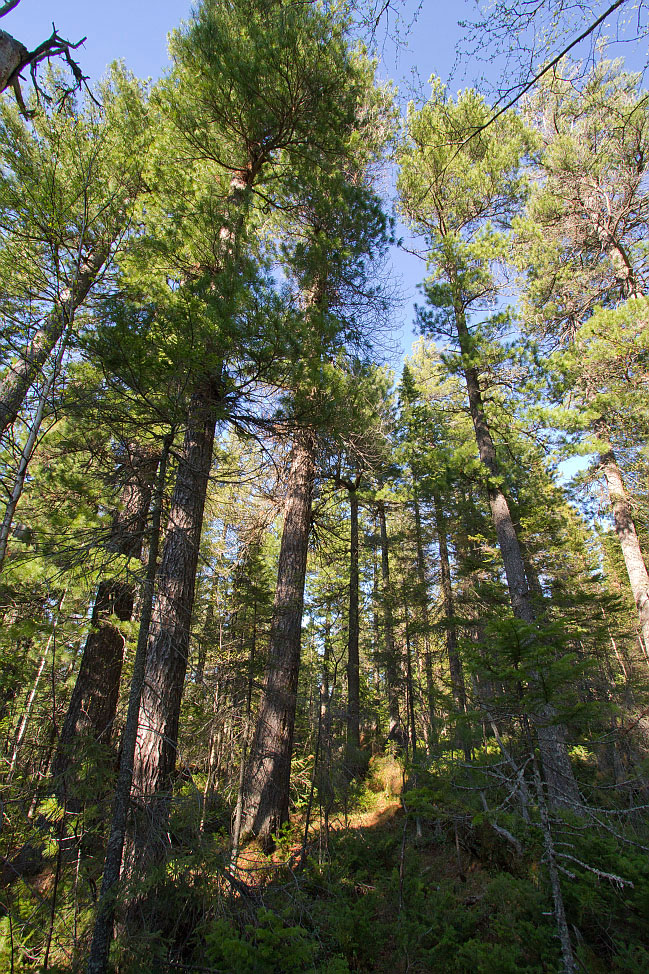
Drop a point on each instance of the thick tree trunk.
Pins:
(19, 378)
(396, 732)
(628, 538)
(167, 653)
(12, 55)
(103, 929)
(353, 664)
(269, 769)
(559, 777)
(93, 705)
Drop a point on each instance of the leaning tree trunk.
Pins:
(167, 654)
(93, 704)
(559, 777)
(269, 768)
(20, 376)
(628, 538)
(396, 732)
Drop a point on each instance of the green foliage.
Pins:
(267, 947)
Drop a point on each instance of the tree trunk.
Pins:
(456, 671)
(167, 653)
(562, 787)
(412, 734)
(396, 732)
(236, 831)
(103, 929)
(454, 662)
(93, 704)
(19, 377)
(269, 768)
(628, 538)
(428, 659)
(12, 55)
(353, 664)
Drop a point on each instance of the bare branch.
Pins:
(8, 7)
(548, 67)
(14, 58)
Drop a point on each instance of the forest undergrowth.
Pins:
(399, 873)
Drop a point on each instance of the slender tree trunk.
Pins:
(167, 654)
(421, 577)
(29, 703)
(93, 704)
(269, 769)
(562, 787)
(19, 378)
(353, 663)
(563, 932)
(28, 449)
(391, 669)
(454, 662)
(326, 653)
(410, 685)
(236, 831)
(103, 929)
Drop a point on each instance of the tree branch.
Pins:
(548, 67)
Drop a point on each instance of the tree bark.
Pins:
(353, 663)
(559, 777)
(19, 378)
(410, 708)
(103, 929)
(93, 704)
(236, 831)
(396, 732)
(167, 653)
(454, 662)
(428, 660)
(269, 768)
(628, 538)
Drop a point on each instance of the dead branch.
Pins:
(14, 58)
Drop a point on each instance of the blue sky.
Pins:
(136, 31)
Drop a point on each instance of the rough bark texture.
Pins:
(103, 930)
(12, 55)
(628, 538)
(269, 768)
(19, 378)
(167, 654)
(560, 781)
(353, 680)
(391, 669)
(93, 703)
